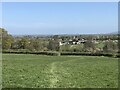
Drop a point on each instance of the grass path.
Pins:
(54, 76)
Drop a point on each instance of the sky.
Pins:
(29, 18)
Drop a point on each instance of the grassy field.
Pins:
(35, 71)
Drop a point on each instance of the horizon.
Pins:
(116, 33)
(46, 18)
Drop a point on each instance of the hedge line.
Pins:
(28, 52)
(64, 53)
(90, 54)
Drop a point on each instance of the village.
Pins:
(76, 41)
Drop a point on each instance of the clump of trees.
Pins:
(25, 43)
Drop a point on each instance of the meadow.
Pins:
(40, 71)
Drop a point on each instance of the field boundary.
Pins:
(116, 55)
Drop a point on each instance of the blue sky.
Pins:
(59, 18)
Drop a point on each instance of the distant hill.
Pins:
(50, 35)
(115, 32)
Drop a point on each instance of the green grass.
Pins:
(35, 71)
(100, 44)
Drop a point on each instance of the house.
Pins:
(60, 43)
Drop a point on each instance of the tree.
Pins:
(110, 47)
(23, 43)
(15, 45)
(89, 46)
(35, 45)
(53, 45)
(7, 39)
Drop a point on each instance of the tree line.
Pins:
(52, 44)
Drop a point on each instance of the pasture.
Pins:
(37, 71)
